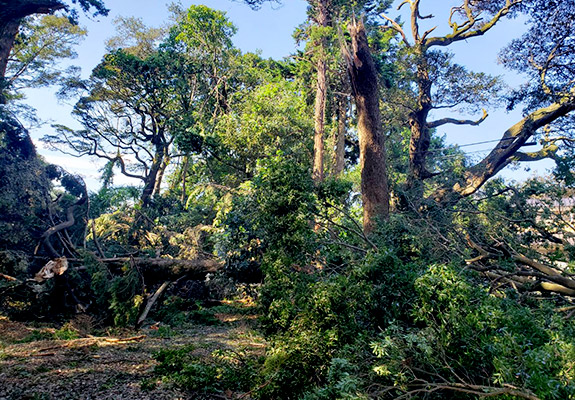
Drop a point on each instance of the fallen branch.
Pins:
(125, 340)
(151, 301)
(478, 390)
(541, 276)
(165, 267)
(10, 278)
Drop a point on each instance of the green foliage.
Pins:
(66, 332)
(268, 118)
(271, 215)
(41, 43)
(342, 383)
(207, 30)
(25, 188)
(126, 298)
(116, 298)
(221, 370)
(460, 330)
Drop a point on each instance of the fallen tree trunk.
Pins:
(166, 268)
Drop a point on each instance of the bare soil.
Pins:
(107, 366)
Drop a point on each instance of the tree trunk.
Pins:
(8, 32)
(153, 180)
(321, 95)
(339, 162)
(374, 186)
(184, 177)
(420, 134)
(160, 175)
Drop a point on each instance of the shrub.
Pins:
(221, 370)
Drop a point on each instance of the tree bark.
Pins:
(153, 180)
(161, 269)
(8, 32)
(420, 133)
(364, 82)
(339, 164)
(321, 95)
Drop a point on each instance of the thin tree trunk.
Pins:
(374, 185)
(184, 177)
(340, 140)
(320, 97)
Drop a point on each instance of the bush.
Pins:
(222, 370)
(460, 331)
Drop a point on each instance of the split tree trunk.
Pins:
(374, 185)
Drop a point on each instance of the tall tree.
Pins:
(139, 103)
(321, 17)
(442, 84)
(372, 159)
(126, 118)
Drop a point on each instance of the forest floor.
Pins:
(109, 365)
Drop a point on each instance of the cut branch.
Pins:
(151, 301)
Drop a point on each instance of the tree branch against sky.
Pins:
(12, 12)
(439, 83)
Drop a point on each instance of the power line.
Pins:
(473, 144)
(462, 154)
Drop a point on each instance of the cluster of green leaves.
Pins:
(378, 325)
(459, 333)
(114, 298)
(221, 370)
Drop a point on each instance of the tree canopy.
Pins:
(314, 193)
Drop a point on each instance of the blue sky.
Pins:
(270, 31)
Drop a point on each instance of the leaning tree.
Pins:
(545, 52)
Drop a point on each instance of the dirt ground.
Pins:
(106, 366)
